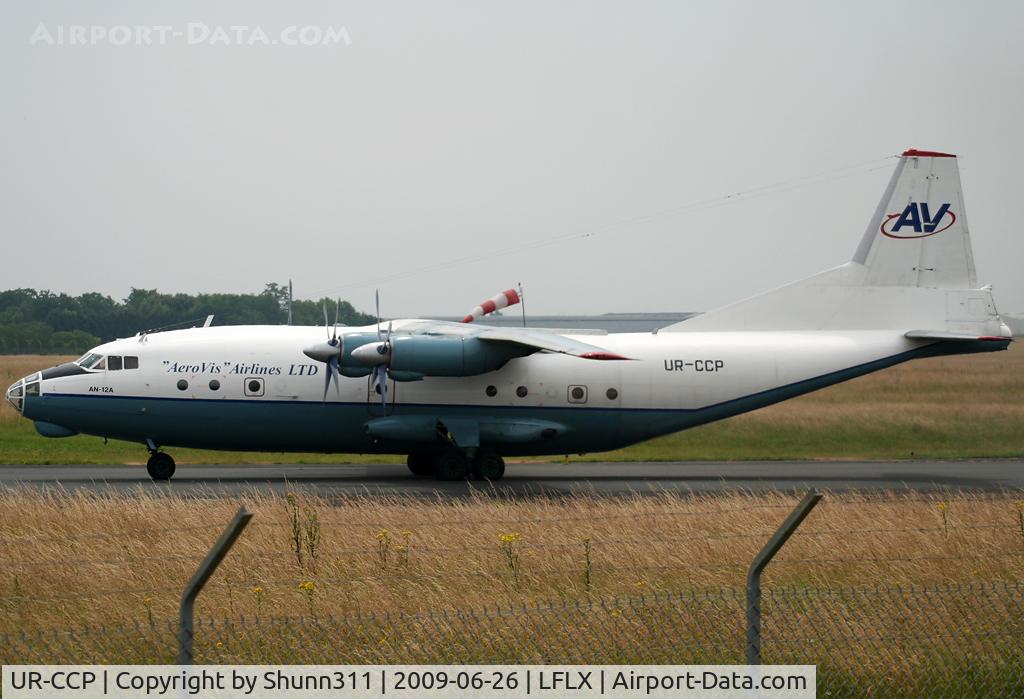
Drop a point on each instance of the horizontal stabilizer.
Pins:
(962, 337)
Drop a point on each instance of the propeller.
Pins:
(380, 371)
(378, 356)
(329, 352)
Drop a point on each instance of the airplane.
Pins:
(457, 398)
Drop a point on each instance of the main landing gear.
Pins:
(160, 466)
(456, 466)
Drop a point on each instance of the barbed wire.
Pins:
(520, 572)
(104, 536)
(371, 548)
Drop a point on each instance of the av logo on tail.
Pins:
(917, 221)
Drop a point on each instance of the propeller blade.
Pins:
(381, 372)
(376, 297)
(335, 374)
(325, 321)
(337, 310)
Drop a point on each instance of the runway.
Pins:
(535, 479)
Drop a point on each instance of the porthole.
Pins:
(214, 385)
(612, 394)
(491, 391)
(182, 385)
(253, 387)
(521, 391)
(577, 394)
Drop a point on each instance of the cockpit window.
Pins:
(114, 363)
(89, 361)
(101, 364)
(131, 362)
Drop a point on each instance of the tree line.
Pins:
(43, 322)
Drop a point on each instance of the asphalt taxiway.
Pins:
(535, 478)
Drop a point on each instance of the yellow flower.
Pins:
(406, 533)
(382, 535)
(147, 601)
(943, 506)
(257, 590)
(219, 644)
(307, 586)
(509, 538)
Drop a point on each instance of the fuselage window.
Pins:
(131, 362)
(214, 385)
(577, 394)
(114, 363)
(88, 360)
(182, 385)
(254, 387)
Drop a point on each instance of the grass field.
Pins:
(71, 559)
(640, 579)
(951, 407)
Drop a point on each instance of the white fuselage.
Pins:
(251, 387)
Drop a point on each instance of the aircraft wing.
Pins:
(534, 338)
(548, 342)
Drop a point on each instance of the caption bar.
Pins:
(287, 681)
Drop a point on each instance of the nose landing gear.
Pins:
(160, 465)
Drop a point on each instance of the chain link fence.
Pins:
(941, 641)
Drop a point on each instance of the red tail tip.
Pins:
(915, 153)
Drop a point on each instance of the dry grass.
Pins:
(68, 559)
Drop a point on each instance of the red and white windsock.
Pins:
(502, 300)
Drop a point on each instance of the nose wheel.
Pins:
(160, 466)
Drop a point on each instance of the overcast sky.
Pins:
(432, 132)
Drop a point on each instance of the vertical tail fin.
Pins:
(918, 235)
(912, 272)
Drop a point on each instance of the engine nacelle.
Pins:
(450, 355)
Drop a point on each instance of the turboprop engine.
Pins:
(407, 357)
(411, 357)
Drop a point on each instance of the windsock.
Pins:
(502, 300)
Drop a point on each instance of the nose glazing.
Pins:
(15, 395)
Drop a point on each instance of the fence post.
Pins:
(762, 559)
(195, 585)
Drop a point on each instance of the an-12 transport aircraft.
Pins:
(458, 397)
